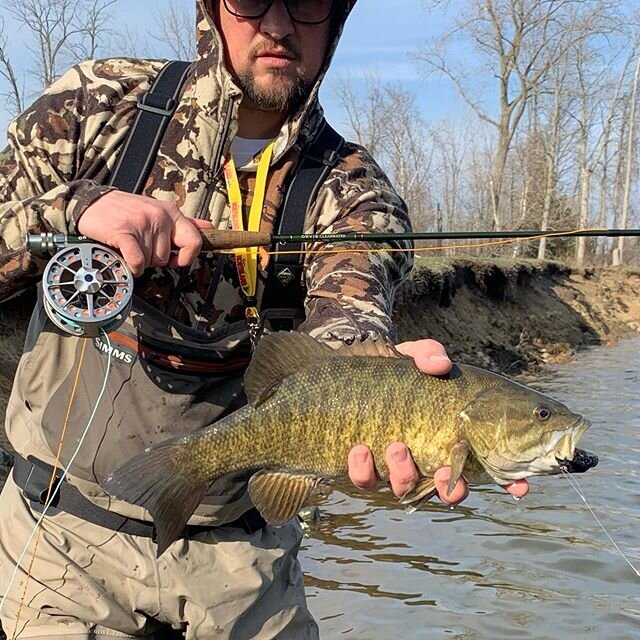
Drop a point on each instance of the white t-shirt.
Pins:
(244, 149)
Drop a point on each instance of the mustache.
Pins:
(284, 46)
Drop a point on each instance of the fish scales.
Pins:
(295, 428)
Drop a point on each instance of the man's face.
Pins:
(275, 59)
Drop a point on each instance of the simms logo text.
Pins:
(118, 353)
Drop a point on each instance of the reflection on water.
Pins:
(495, 568)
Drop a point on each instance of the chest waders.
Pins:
(283, 298)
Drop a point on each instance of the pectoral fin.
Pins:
(278, 495)
(459, 455)
(423, 491)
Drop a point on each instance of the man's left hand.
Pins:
(431, 357)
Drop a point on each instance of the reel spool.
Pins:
(88, 289)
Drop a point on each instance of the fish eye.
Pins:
(542, 413)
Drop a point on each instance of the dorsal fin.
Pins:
(277, 356)
(369, 347)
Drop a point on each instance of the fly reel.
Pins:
(87, 287)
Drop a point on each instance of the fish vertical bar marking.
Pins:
(574, 483)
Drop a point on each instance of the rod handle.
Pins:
(224, 239)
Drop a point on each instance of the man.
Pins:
(255, 80)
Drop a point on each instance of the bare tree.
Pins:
(130, 43)
(408, 154)
(60, 30)
(94, 19)
(618, 256)
(15, 93)
(450, 146)
(517, 42)
(175, 28)
(364, 113)
(386, 121)
(598, 106)
(556, 108)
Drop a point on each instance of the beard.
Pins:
(283, 95)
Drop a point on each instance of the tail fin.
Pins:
(153, 480)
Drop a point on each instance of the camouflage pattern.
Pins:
(61, 153)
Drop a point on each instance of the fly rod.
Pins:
(226, 239)
(88, 287)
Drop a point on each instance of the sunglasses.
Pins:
(301, 11)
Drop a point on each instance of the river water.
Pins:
(495, 568)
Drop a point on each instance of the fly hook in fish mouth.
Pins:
(582, 461)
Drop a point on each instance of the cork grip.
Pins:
(221, 239)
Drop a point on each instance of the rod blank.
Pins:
(226, 239)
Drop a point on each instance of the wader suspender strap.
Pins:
(285, 289)
(155, 108)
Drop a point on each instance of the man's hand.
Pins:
(431, 357)
(143, 230)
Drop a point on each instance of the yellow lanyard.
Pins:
(247, 259)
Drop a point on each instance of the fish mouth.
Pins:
(582, 461)
(568, 456)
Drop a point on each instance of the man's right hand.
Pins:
(143, 230)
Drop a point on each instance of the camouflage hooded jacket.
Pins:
(61, 153)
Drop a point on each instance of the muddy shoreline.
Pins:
(516, 316)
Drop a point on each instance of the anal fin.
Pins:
(459, 455)
(422, 492)
(279, 495)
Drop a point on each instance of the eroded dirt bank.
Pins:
(516, 316)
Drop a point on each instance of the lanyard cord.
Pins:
(246, 259)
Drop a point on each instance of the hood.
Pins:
(215, 83)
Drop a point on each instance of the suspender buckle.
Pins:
(38, 481)
(159, 105)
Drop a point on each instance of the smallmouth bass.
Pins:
(308, 405)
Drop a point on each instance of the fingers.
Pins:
(161, 248)
(132, 254)
(143, 229)
(361, 468)
(403, 473)
(187, 239)
(518, 488)
(200, 224)
(460, 491)
(429, 355)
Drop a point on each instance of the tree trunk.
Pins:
(585, 186)
(627, 181)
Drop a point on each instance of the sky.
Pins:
(383, 37)
(380, 37)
